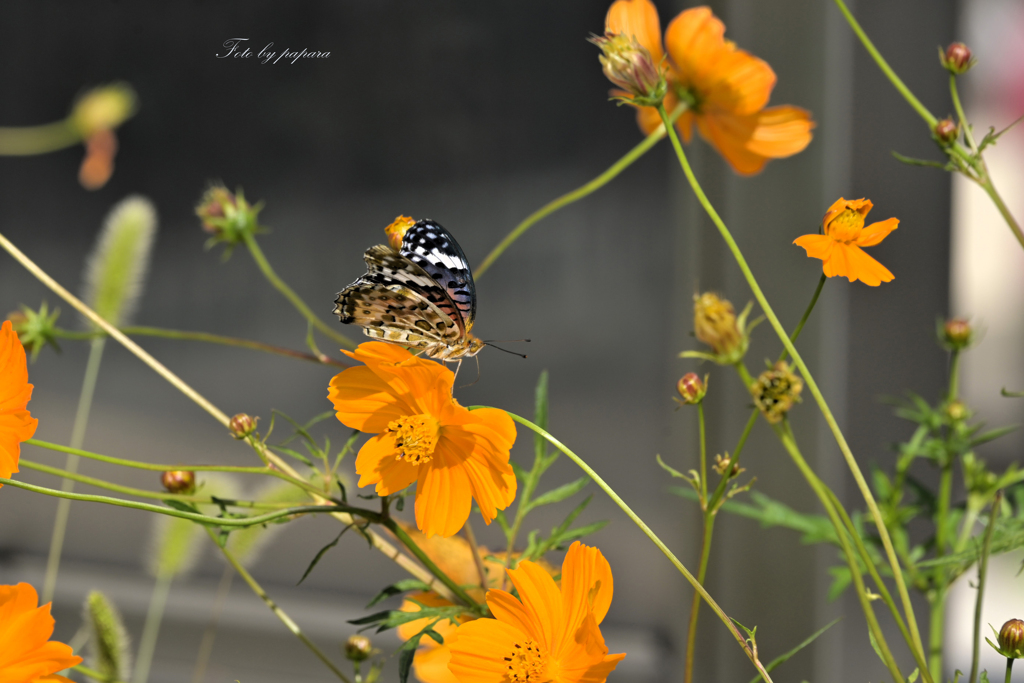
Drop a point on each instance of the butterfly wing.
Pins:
(433, 249)
(395, 313)
(387, 267)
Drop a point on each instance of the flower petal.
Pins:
(866, 269)
(431, 663)
(781, 131)
(639, 19)
(377, 464)
(364, 401)
(444, 496)
(876, 232)
(479, 648)
(586, 581)
(747, 142)
(738, 83)
(507, 608)
(695, 41)
(24, 631)
(542, 601)
(817, 246)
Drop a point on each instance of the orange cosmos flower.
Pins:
(727, 89)
(549, 634)
(27, 655)
(423, 435)
(844, 234)
(16, 424)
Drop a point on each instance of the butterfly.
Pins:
(418, 291)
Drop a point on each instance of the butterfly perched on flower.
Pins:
(418, 291)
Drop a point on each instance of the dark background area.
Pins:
(474, 114)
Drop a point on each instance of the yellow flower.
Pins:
(727, 89)
(839, 247)
(547, 635)
(16, 423)
(27, 654)
(423, 435)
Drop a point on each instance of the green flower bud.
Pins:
(358, 648)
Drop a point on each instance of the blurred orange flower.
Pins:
(27, 654)
(423, 435)
(98, 163)
(727, 89)
(839, 247)
(549, 634)
(16, 424)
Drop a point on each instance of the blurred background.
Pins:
(475, 114)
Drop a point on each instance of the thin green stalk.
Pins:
(990, 189)
(206, 645)
(751, 655)
(20, 141)
(705, 553)
(93, 674)
(812, 385)
(703, 457)
(807, 314)
(60, 522)
(172, 512)
(418, 553)
(954, 376)
(289, 293)
(141, 331)
(576, 195)
(1009, 669)
(884, 66)
(986, 548)
(936, 626)
(141, 493)
(151, 630)
(278, 612)
(964, 124)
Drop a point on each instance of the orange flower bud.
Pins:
(946, 131)
(957, 58)
(358, 648)
(957, 334)
(1011, 639)
(179, 481)
(242, 425)
(692, 388)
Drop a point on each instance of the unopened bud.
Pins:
(211, 208)
(946, 131)
(18, 320)
(103, 108)
(179, 481)
(358, 648)
(242, 425)
(692, 388)
(629, 65)
(775, 391)
(957, 411)
(35, 329)
(1011, 639)
(957, 333)
(227, 215)
(957, 58)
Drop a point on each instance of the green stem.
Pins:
(151, 631)
(278, 612)
(60, 522)
(467, 531)
(812, 385)
(705, 553)
(145, 465)
(164, 333)
(884, 66)
(751, 655)
(22, 141)
(990, 189)
(172, 512)
(289, 293)
(936, 622)
(734, 462)
(954, 376)
(955, 95)
(807, 314)
(1009, 669)
(703, 459)
(576, 195)
(93, 674)
(206, 645)
(986, 548)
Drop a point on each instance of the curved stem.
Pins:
(164, 333)
(955, 95)
(289, 293)
(654, 538)
(986, 548)
(691, 633)
(576, 195)
(278, 612)
(145, 465)
(990, 189)
(456, 589)
(151, 629)
(807, 314)
(812, 385)
(19, 141)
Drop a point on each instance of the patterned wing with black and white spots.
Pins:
(432, 248)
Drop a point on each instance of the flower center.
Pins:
(846, 226)
(527, 664)
(415, 437)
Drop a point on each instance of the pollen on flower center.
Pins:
(846, 226)
(527, 663)
(415, 437)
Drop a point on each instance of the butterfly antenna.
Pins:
(521, 355)
(488, 341)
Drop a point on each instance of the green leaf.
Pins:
(913, 675)
(322, 552)
(293, 453)
(503, 523)
(874, 646)
(922, 162)
(397, 588)
(771, 513)
(393, 618)
(783, 658)
(993, 434)
(559, 494)
(1011, 394)
(841, 579)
